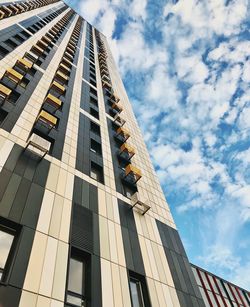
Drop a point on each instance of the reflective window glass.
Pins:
(76, 276)
(6, 240)
(136, 293)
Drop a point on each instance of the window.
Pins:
(95, 147)
(14, 96)
(3, 52)
(24, 82)
(26, 34)
(136, 292)
(6, 240)
(11, 43)
(94, 113)
(19, 38)
(93, 91)
(96, 172)
(128, 191)
(91, 81)
(95, 128)
(77, 289)
(93, 101)
(3, 115)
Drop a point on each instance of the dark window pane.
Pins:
(95, 147)
(136, 293)
(95, 128)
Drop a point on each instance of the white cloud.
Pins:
(213, 16)
(246, 71)
(138, 9)
(107, 22)
(90, 9)
(244, 122)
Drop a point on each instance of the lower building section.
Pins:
(65, 241)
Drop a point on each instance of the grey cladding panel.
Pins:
(187, 289)
(82, 228)
(130, 239)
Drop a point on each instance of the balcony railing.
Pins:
(118, 120)
(126, 151)
(47, 120)
(13, 75)
(137, 204)
(38, 145)
(122, 134)
(24, 64)
(4, 93)
(132, 174)
(53, 101)
(60, 89)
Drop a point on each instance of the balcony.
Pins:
(107, 86)
(64, 69)
(21, 8)
(49, 36)
(102, 61)
(132, 174)
(6, 10)
(2, 14)
(105, 78)
(13, 75)
(69, 56)
(140, 206)
(60, 89)
(114, 97)
(122, 134)
(102, 57)
(24, 64)
(116, 107)
(104, 71)
(62, 78)
(42, 45)
(103, 66)
(126, 151)
(70, 51)
(46, 120)
(37, 50)
(53, 102)
(118, 120)
(14, 9)
(30, 56)
(53, 32)
(66, 62)
(38, 145)
(4, 93)
(46, 39)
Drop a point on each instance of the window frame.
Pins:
(143, 288)
(14, 230)
(85, 258)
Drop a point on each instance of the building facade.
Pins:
(216, 291)
(83, 219)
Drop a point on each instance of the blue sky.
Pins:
(186, 67)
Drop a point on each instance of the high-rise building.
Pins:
(83, 220)
(217, 291)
